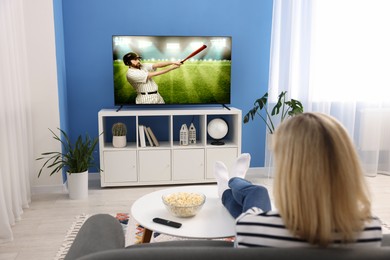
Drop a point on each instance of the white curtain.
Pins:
(16, 157)
(334, 56)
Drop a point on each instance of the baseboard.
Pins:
(49, 189)
(94, 181)
(259, 172)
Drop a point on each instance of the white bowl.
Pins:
(184, 204)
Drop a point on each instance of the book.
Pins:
(141, 133)
(148, 136)
(155, 141)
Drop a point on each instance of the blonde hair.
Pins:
(319, 187)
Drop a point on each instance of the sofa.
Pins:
(101, 237)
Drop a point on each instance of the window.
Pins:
(350, 55)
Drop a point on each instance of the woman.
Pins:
(319, 191)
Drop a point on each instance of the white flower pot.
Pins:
(119, 141)
(269, 163)
(78, 185)
(269, 140)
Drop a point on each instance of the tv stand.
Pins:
(170, 162)
(119, 108)
(225, 106)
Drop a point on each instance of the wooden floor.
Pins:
(42, 229)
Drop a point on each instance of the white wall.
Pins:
(41, 59)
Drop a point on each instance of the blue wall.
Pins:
(61, 73)
(88, 26)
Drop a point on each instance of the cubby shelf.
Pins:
(170, 162)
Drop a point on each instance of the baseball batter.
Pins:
(140, 76)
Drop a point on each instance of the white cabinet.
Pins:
(154, 165)
(188, 164)
(120, 166)
(227, 156)
(169, 162)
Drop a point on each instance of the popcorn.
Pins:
(184, 204)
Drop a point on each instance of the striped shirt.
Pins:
(256, 228)
(138, 78)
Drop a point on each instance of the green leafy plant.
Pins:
(286, 108)
(119, 129)
(75, 158)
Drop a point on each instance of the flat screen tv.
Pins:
(204, 78)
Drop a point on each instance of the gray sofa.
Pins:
(101, 237)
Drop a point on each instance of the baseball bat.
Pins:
(194, 53)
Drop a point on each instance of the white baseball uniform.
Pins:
(147, 89)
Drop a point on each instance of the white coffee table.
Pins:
(212, 221)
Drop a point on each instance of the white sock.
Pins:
(241, 166)
(221, 174)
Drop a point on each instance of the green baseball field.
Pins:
(197, 82)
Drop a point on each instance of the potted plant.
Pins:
(76, 158)
(119, 132)
(286, 108)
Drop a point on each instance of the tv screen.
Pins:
(157, 69)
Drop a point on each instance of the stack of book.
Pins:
(150, 138)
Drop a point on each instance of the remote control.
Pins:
(167, 222)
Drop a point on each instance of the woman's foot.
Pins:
(221, 174)
(241, 166)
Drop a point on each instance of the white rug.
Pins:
(70, 236)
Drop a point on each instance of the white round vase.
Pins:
(78, 185)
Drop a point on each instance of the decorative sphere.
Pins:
(217, 128)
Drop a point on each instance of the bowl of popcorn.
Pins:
(184, 204)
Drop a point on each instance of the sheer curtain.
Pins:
(16, 157)
(334, 56)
